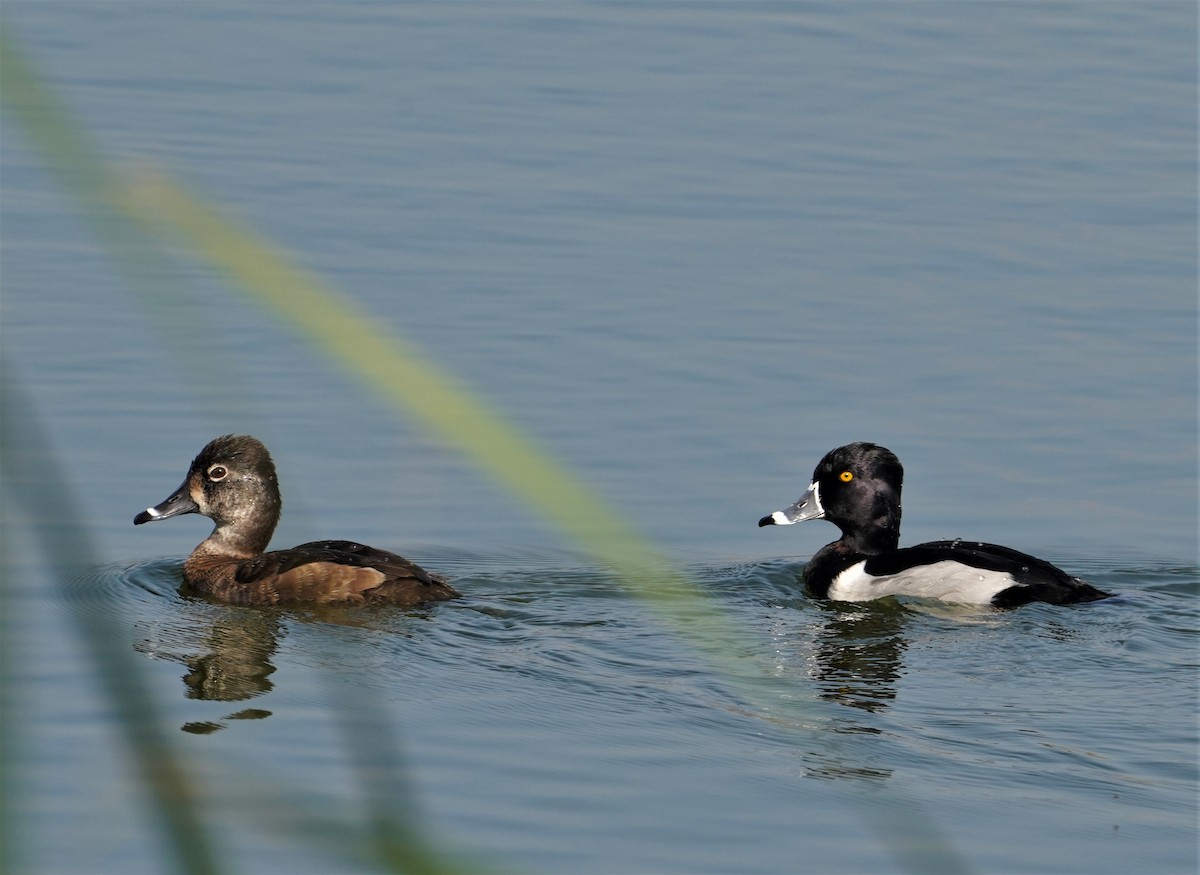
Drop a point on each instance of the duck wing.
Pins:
(337, 571)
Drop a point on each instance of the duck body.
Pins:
(857, 487)
(233, 482)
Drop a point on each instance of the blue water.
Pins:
(688, 250)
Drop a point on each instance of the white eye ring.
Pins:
(217, 473)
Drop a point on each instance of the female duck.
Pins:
(857, 488)
(233, 483)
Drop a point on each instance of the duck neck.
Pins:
(882, 534)
(871, 541)
(237, 543)
(243, 536)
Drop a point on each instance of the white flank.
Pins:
(947, 580)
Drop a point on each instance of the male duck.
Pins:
(857, 488)
(232, 482)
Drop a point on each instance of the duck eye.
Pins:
(846, 476)
(217, 473)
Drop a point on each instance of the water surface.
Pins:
(687, 249)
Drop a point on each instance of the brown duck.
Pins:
(232, 482)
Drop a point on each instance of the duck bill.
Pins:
(807, 508)
(180, 502)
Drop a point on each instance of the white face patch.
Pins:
(807, 508)
(815, 489)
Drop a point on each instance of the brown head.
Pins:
(232, 482)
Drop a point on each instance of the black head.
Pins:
(232, 481)
(857, 488)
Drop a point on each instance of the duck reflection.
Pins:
(230, 660)
(233, 664)
(857, 655)
(237, 665)
(856, 659)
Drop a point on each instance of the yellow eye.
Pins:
(845, 476)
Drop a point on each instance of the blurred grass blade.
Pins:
(33, 480)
